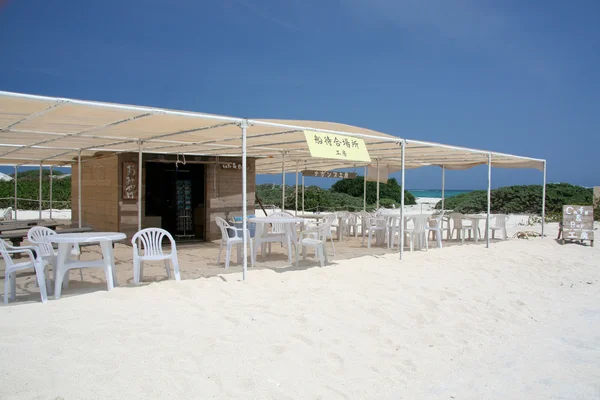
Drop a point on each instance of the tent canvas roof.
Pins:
(51, 131)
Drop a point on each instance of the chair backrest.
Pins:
(279, 228)
(457, 220)
(39, 235)
(224, 227)
(437, 221)
(151, 241)
(420, 223)
(325, 226)
(378, 222)
(394, 221)
(7, 214)
(4, 252)
(501, 220)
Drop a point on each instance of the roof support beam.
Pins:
(95, 128)
(34, 115)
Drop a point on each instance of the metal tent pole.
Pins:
(544, 201)
(79, 211)
(244, 126)
(365, 190)
(139, 202)
(443, 186)
(16, 176)
(303, 194)
(489, 199)
(283, 181)
(50, 194)
(403, 145)
(296, 197)
(40, 193)
(377, 205)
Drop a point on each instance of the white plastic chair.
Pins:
(278, 232)
(419, 231)
(435, 228)
(354, 223)
(324, 226)
(39, 236)
(151, 240)
(314, 239)
(394, 229)
(11, 268)
(500, 225)
(459, 227)
(379, 227)
(228, 242)
(6, 214)
(342, 223)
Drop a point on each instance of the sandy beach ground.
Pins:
(520, 320)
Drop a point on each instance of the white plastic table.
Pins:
(65, 243)
(289, 224)
(475, 221)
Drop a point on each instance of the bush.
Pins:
(28, 188)
(520, 199)
(346, 194)
(390, 190)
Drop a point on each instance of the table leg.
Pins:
(258, 232)
(108, 263)
(60, 268)
(288, 235)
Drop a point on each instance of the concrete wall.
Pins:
(99, 197)
(596, 195)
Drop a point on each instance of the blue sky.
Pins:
(509, 76)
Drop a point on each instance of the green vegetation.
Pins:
(28, 188)
(346, 194)
(522, 200)
(35, 173)
(389, 192)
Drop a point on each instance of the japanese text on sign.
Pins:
(329, 174)
(328, 145)
(130, 181)
(578, 222)
(231, 166)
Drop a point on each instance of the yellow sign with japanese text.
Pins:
(339, 147)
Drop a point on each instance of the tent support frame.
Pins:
(489, 200)
(402, 182)
(244, 126)
(544, 202)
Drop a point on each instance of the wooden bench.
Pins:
(9, 226)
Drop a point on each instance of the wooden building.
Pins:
(181, 195)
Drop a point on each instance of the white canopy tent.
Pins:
(39, 130)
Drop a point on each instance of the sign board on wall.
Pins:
(578, 223)
(231, 165)
(339, 147)
(130, 181)
(329, 174)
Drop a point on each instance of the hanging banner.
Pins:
(329, 174)
(372, 173)
(339, 147)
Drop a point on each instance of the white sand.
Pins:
(520, 320)
(34, 214)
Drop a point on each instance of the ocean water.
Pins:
(436, 193)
